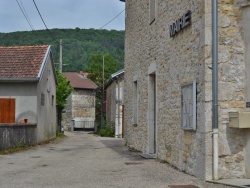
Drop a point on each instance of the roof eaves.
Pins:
(84, 88)
(44, 62)
(117, 73)
(114, 75)
(19, 79)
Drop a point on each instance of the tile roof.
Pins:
(20, 62)
(79, 81)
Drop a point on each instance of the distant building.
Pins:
(114, 102)
(80, 109)
(27, 95)
(168, 84)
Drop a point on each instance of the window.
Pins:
(42, 99)
(135, 103)
(152, 11)
(52, 100)
(188, 106)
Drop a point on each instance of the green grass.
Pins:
(15, 150)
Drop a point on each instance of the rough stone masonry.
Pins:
(150, 52)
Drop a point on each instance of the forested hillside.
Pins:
(78, 44)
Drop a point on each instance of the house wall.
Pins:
(83, 103)
(67, 116)
(179, 60)
(25, 97)
(113, 103)
(80, 104)
(46, 124)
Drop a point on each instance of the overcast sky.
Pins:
(61, 14)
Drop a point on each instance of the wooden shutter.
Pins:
(7, 110)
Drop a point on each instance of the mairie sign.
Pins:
(181, 23)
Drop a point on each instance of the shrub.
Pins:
(108, 131)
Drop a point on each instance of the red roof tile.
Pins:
(79, 81)
(21, 61)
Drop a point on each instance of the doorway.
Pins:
(152, 113)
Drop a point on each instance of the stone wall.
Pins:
(17, 135)
(83, 103)
(178, 61)
(232, 88)
(80, 104)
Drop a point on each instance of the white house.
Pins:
(27, 94)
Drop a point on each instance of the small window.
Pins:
(135, 103)
(52, 100)
(188, 106)
(152, 11)
(42, 99)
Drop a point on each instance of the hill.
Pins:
(78, 44)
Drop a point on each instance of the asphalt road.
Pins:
(87, 160)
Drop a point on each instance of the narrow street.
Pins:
(87, 160)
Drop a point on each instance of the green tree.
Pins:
(95, 68)
(63, 90)
(95, 71)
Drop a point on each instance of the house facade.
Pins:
(114, 102)
(80, 108)
(168, 85)
(27, 92)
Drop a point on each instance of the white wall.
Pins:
(25, 98)
(46, 124)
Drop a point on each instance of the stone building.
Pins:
(114, 101)
(80, 109)
(168, 84)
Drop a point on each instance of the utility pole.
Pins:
(102, 119)
(60, 63)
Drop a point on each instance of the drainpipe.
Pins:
(215, 86)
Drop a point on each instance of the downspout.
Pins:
(215, 86)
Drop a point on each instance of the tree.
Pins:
(95, 68)
(63, 90)
(95, 71)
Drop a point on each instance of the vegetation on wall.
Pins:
(78, 44)
(63, 90)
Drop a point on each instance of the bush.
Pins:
(108, 131)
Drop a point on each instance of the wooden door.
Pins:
(7, 110)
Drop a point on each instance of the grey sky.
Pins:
(61, 14)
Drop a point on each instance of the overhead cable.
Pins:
(25, 15)
(43, 21)
(112, 19)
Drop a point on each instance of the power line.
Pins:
(25, 15)
(112, 19)
(43, 20)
